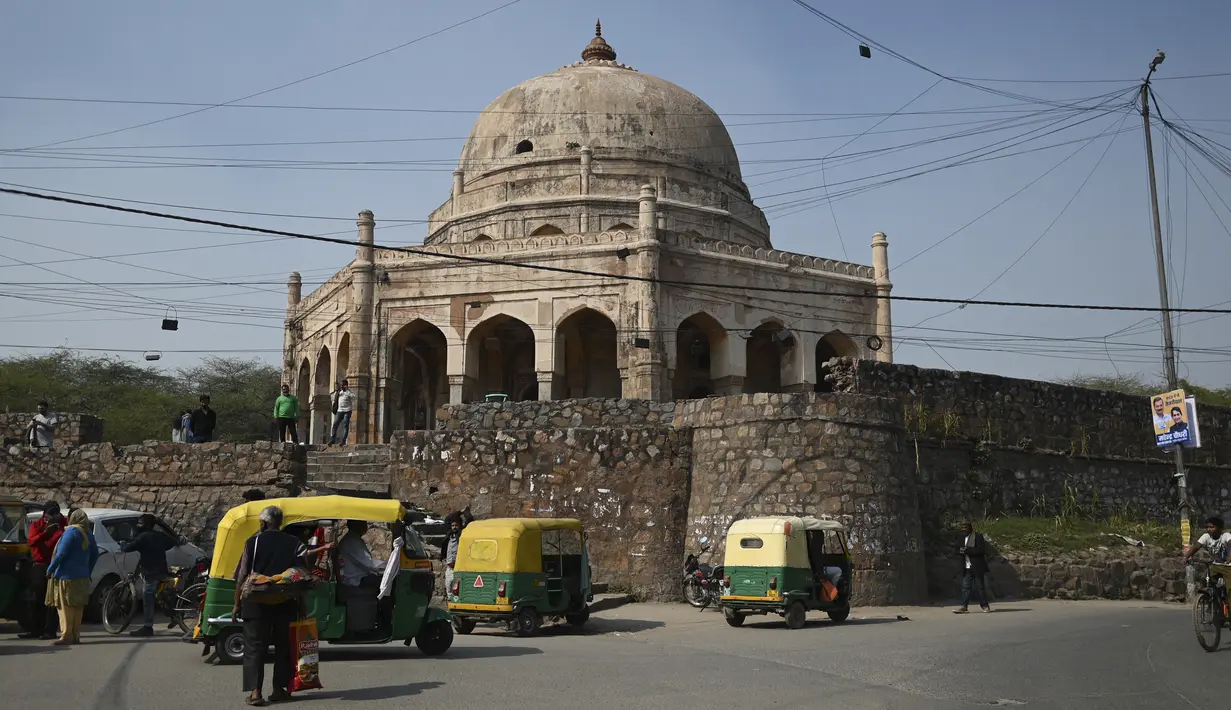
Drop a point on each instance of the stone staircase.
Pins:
(359, 470)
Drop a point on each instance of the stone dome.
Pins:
(611, 108)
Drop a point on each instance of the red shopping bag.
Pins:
(305, 656)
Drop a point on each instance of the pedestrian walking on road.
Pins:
(343, 405)
(44, 534)
(455, 537)
(972, 547)
(286, 411)
(69, 572)
(152, 546)
(271, 551)
(203, 421)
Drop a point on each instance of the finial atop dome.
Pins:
(598, 49)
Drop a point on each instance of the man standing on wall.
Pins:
(343, 405)
(286, 410)
(972, 547)
(44, 533)
(203, 421)
(42, 430)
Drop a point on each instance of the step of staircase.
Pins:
(362, 469)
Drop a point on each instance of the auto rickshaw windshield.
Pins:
(12, 522)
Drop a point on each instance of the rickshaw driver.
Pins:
(359, 570)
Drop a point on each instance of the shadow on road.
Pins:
(384, 692)
(776, 623)
(456, 653)
(594, 627)
(32, 647)
(125, 639)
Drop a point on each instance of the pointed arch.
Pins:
(500, 359)
(546, 229)
(765, 350)
(586, 356)
(418, 359)
(343, 356)
(834, 344)
(621, 227)
(700, 341)
(481, 238)
(323, 386)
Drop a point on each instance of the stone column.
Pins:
(290, 330)
(363, 320)
(646, 364)
(459, 187)
(457, 388)
(884, 321)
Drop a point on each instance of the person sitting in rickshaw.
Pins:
(359, 570)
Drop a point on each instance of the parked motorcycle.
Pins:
(702, 584)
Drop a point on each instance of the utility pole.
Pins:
(1173, 380)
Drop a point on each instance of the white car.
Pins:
(113, 527)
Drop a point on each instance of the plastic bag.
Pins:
(305, 656)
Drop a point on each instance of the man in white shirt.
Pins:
(1215, 541)
(1162, 422)
(343, 405)
(43, 427)
(358, 567)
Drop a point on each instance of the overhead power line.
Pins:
(582, 272)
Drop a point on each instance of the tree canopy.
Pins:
(137, 403)
(1139, 385)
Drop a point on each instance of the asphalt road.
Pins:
(1086, 655)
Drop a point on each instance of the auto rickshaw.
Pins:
(521, 571)
(15, 563)
(787, 566)
(352, 615)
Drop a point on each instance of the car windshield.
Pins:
(11, 528)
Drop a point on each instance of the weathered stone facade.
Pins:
(831, 456)
(73, 429)
(547, 414)
(189, 485)
(1026, 414)
(629, 485)
(1122, 572)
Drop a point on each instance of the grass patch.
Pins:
(1061, 534)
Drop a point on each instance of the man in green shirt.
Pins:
(286, 410)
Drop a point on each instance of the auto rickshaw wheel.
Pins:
(796, 615)
(579, 619)
(839, 615)
(733, 617)
(435, 638)
(230, 647)
(462, 625)
(528, 621)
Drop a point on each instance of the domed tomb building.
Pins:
(627, 188)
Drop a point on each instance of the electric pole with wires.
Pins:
(1173, 380)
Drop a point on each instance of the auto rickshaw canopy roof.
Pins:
(766, 541)
(509, 544)
(243, 521)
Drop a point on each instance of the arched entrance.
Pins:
(764, 357)
(343, 356)
(303, 392)
(699, 342)
(321, 416)
(586, 352)
(835, 344)
(500, 360)
(418, 355)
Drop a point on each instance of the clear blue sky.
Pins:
(764, 57)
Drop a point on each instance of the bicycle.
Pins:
(1210, 612)
(119, 605)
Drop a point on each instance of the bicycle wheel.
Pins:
(187, 610)
(1207, 621)
(119, 607)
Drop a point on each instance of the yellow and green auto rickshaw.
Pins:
(352, 615)
(787, 566)
(520, 571)
(15, 562)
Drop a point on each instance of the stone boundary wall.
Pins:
(553, 414)
(1024, 413)
(963, 481)
(1146, 573)
(189, 485)
(833, 455)
(629, 485)
(74, 429)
